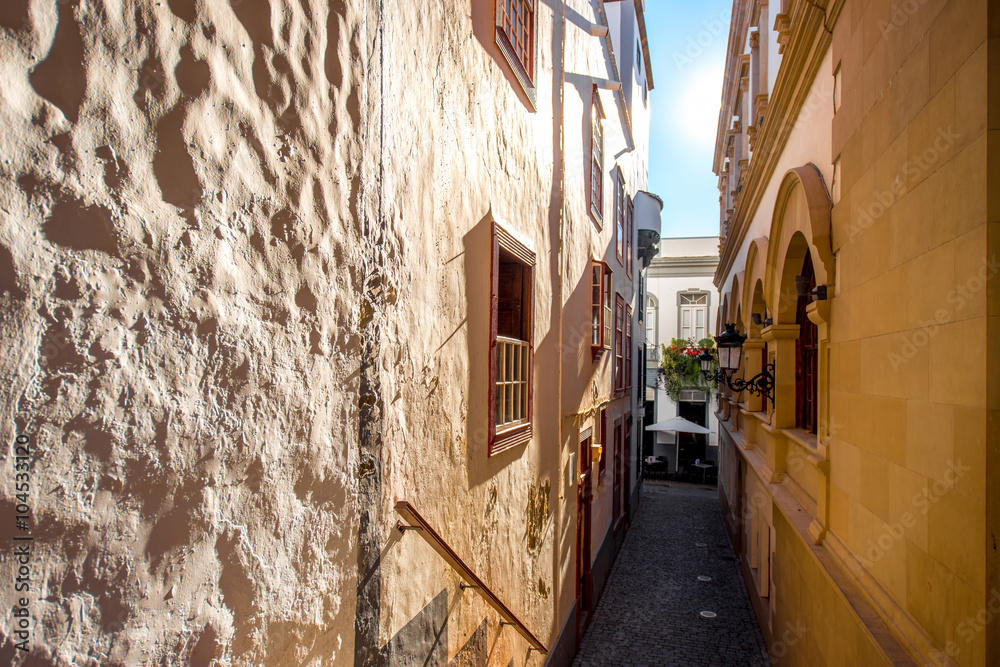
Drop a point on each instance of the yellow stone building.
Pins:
(856, 148)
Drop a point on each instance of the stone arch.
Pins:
(755, 272)
(723, 314)
(756, 305)
(735, 291)
(800, 224)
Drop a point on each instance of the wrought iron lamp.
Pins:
(730, 346)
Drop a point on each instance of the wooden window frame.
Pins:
(520, 432)
(524, 72)
(629, 233)
(596, 177)
(620, 216)
(619, 351)
(628, 347)
(600, 330)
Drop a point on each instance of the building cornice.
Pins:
(641, 19)
(739, 25)
(808, 43)
(703, 266)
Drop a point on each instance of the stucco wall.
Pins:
(182, 188)
(246, 309)
(463, 157)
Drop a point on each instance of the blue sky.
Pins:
(687, 43)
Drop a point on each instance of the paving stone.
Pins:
(650, 613)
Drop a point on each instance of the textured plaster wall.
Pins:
(181, 187)
(245, 263)
(466, 151)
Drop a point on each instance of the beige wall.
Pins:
(184, 262)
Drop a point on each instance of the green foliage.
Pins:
(680, 368)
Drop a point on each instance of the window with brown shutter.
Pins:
(620, 216)
(628, 347)
(515, 35)
(629, 232)
(511, 358)
(619, 379)
(596, 159)
(600, 336)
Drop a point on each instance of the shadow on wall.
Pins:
(577, 336)
(478, 244)
(424, 641)
(62, 77)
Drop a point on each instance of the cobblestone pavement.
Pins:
(650, 613)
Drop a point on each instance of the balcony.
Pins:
(648, 225)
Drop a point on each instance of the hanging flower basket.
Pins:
(680, 368)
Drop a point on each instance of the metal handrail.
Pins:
(420, 525)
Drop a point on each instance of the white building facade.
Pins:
(680, 302)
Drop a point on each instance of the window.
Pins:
(628, 347)
(619, 352)
(600, 337)
(602, 466)
(806, 357)
(629, 248)
(693, 316)
(510, 344)
(596, 159)
(515, 35)
(620, 216)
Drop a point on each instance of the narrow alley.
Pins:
(651, 610)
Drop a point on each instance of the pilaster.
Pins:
(781, 340)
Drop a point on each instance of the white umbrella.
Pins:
(678, 424)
